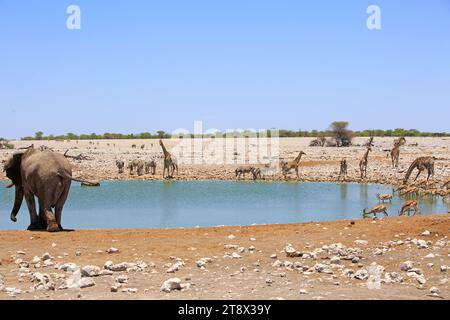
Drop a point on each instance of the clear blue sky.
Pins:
(140, 66)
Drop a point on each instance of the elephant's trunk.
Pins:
(17, 203)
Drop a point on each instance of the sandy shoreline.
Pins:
(319, 164)
(336, 262)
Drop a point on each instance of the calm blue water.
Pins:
(154, 204)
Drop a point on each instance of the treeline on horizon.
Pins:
(282, 133)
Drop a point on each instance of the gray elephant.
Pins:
(46, 175)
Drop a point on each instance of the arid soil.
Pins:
(394, 258)
(319, 164)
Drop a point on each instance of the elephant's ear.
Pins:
(12, 168)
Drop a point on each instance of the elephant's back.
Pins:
(47, 164)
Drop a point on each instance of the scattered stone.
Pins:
(77, 282)
(130, 290)
(42, 282)
(90, 271)
(362, 274)
(171, 285)
(435, 290)
(303, 292)
(322, 268)
(231, 237)
(22, 253)
(69, 267)
(269, 281)
(115, 288)
(112, 251)
(109, 265)
(430, 256)
(444, 268)
(362, 242)
(36, 260)
(422, 244)
(291, 252)
(175, 267)
(406, 266)
(274, 256)
(335, 260)
(122, 279)
(425, 233)
(46, 256)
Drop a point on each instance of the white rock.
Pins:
(231, 237)
(69, 267)
(35, 260)
(435, 290)
(122, 279)
(406, 266)
(112, 250)
(90, 271)
(277, 264)
(422, 244)
(86, 283)
(430, 256)
(303, 292)
(335, 260)
(274, 256)
(109, 265)
(20, 252)
(46, 256)
(362, 274)
(361, 242)
(48, 263)
(444, 268)
(425, 233)
(234, 255)
(130, 290)
(291, 252)
(322, 268)
(77, 282)
(171, 285)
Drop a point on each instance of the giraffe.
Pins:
(168, 162)
(381, 208)
(344, 168)
(364, 161)
(395, 152)
(421, 164)
(288, 166)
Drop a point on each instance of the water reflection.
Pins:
(171, 204)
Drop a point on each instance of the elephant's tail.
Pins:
(65, 175)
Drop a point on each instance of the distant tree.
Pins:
(38, 135)
(341, 133)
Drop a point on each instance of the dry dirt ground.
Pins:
(319, 164)
(322, 262)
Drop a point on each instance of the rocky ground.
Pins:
(394, 258)
(319, 164)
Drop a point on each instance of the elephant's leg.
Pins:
(59, 206)
(42, 217)
(34, 219)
